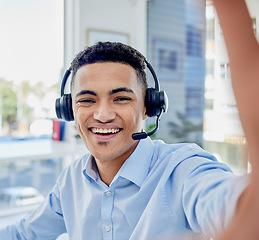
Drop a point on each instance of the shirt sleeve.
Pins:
(210, 195)
(46, 222)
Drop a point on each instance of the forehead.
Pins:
(108, 74)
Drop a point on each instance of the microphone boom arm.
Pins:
(143, 135)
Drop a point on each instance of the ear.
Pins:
(145, 116)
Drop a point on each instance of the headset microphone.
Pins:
(143, 135)
(156, 103)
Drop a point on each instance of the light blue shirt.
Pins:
(162, 191)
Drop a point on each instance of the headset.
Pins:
(156, 103)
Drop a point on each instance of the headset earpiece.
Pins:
(64, 108)
(63, 104)
(150, 102)
(155, 102)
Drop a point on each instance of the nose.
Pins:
(104, 113)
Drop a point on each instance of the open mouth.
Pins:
(105, 131)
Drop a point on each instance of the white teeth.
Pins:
(101, 130)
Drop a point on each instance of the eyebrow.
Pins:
(121, 89)
(114, 91)
(84, 92)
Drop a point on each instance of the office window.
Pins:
(194, 41)
(194, 101)
(31, 60)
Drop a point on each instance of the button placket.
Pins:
(107, 228)
(108, 193)
(107, 207)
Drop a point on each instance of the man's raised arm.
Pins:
(243, 51)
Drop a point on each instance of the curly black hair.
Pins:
(111, 52)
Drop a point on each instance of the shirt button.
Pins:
(108, 193)
(107, 229)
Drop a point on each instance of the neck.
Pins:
(108, 169)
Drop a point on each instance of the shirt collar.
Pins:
(90, 170)
(135, 168)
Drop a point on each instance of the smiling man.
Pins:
(127, 189)
(108, 106)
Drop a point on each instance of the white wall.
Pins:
(126, 17)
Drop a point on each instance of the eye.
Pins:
(87, 100)
(122, 99)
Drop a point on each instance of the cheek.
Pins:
(78, 112)
(136, 117)
(80, 117)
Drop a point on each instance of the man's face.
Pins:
(108, 106)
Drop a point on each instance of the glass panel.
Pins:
(223, 133)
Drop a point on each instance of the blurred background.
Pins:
(183, 41)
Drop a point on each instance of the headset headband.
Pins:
(68, 72)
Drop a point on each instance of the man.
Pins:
(125, 188)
